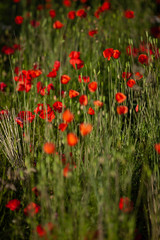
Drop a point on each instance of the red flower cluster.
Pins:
(45, 112)
(104, 7)
(25, 79)
(75, 60)
(110, 52)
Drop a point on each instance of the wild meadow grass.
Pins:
(106, 185)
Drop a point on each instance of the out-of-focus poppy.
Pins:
(98, 103)
(13, 204)
(108, 53)
(57, 25)
(41, 231)
(129, 14)
(34, 23)
(57, 65)
(83, 100)
(36, 191)
(67, 3)
(49, 148)
(86, 79)
(85, 128)
(157, 147)
(71, 15)
(143, 59)
(138, 76)
(125, 205)
(120, 97)
(91, 111)
(2, 86)
(137, 108)
(122, 110)
(91, 33)
(72, 139)
(52, 74)
(92, 86)
(126, 75)
(45, 113)
(31, 209)
(62, 126)
(18, 20)
(52, 13)
(106, 6)
(7, 50)
(58, 106)
(81, 13)
(67, 116)
(131, 83)
(73, 93)
(65, 79)
(116, 54)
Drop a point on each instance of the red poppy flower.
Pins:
(138, 76)
(132, 51)
(3, 114)
(85, 128)
(50, 87)
(137, 108)
(19, 121)
(72, 139)
(116, 54)
(120, 97)
(131, 83)
(31, 209)
(34, 23)
(122, 110)
(45, 113)
(2, 86)
(125, 205)
(77, 63)
(67, 3)
(57, 25)
(74, 55)
(16, 1)
(92, 86)
(52, 74)
(67, 116)
(62, 126)
(52, 13)
(73, 93)
(65, 79)
(58, 106)
(7, 50)
(83, 100)
(66, 170)
(143, 59)
(126, 75)
(91, 111)
(157, 147)
(81, 13)
(108, 53)
(57, 65)
(129, 14)
(106, 6)
(86, 79)
(91, 33)
(98, 103)
(72, 15)
(26, 116)
(18, 20)
(13, 204)
(49, 148)
(41, 231)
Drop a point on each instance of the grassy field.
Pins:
(79, 120)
